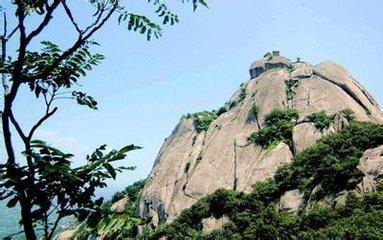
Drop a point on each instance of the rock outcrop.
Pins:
(193, 164)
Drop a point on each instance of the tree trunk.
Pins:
(27, 220)
(7, 137)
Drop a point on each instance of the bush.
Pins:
(242, 94)
(290, 85)
(221, 110)
(255, 110)
(202, 120)
(279, 126)
(321, 120)
(348, 114)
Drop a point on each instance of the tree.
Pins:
(43, 183)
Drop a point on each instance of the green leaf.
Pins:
(12, 203)
(129, 148)
(110, 170)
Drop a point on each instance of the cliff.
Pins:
(211, 150)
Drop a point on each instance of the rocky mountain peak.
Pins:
(245, 140)
(269, 61)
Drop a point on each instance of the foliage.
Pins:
(348, 114)
(278, 127)
(290, 69)
(202, 120)
(321, 120)
(255, 110)
(242, 93)
(52, 73)
(290, 85)
(61, 188)
(221, 110)
(329, 164)
(115, 225)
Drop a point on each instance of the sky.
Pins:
(143, 88)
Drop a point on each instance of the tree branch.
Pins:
(59, 217)
(79, 42)
(18, 128)
(13, 31)
(4, 54)
(69, 14)
(44, 23)
(45, 117)
(97, 20)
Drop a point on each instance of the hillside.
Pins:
(212, 150)
(297, 152)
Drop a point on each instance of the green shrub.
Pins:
(348, 114)
(221, 110)
(242, 94)
(202, 120)
(290, 85)
(255, 110)
(290, 69)
(321, 120)
(278, 127)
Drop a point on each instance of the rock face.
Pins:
(119, 206)
(191, 165)
(371, 165)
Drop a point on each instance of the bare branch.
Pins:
(59, 217)
(38, 124)
(4, 54)
(97, 27)
(13, 31)
(97, 20)
(22, 47)
(69, 13)
(5, 25)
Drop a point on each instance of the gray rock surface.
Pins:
(222, 157)
(291, 201)
(119, 206)
(211, 223)
(371, 165)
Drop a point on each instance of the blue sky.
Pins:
(143, 88)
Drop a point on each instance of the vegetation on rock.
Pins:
(290, 85)
(278, 128)
(202, 120)
(255, 110)
(348, 114)
(321, 172)
(242, 94)
(321, 120)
